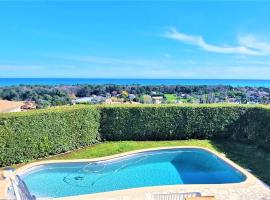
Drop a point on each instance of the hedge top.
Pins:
(35, 134)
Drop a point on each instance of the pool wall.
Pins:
(250, 179)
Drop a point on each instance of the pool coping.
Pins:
(250, 179)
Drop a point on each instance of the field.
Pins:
(171, 97)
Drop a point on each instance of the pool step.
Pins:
(175, 196)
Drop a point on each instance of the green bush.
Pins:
(35, 134)
(253, 126)
(167, 122)
(172, 122)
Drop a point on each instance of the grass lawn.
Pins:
(247, 156)
(171, 97)
(110, 148)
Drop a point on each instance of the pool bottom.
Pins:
(176, 166)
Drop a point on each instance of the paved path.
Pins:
(258, 191)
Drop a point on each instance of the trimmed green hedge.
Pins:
(253, 126)
(35, 134)
(167, 122)
(172, 122)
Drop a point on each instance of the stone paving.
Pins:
(257, 191)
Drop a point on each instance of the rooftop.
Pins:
(10, 106)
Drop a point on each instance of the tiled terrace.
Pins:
(258, 191)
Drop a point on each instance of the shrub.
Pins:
(35, 134)
(166, 122)
(253, 126)
(171, 122)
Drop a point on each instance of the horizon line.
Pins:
(136, 78)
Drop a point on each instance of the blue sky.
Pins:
(154, 39)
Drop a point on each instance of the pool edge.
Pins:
(250, 179)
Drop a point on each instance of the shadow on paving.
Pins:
(248, 156)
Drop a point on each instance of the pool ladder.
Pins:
(20, 189)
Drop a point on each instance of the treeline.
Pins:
(43, 96)
(230, 91)
(86, 90)
(46, 96)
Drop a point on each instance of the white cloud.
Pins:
(248, 45)
(253, 43)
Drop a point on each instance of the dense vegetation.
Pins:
(34, 134)
(43, 96)
(167, 122)
(46, 96)
(171, 122)
(31, 135)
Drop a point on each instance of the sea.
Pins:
(98, 81)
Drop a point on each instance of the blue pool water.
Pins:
(151, 168)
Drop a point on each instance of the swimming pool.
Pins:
(149, 168)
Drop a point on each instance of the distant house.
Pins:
(10, 106)
(28, 105)
(131, 97)
(82, 100)
(184, 96)
(91, 100)
(98, 99)
(157, 99)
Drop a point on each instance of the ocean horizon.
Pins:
(98, 81)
